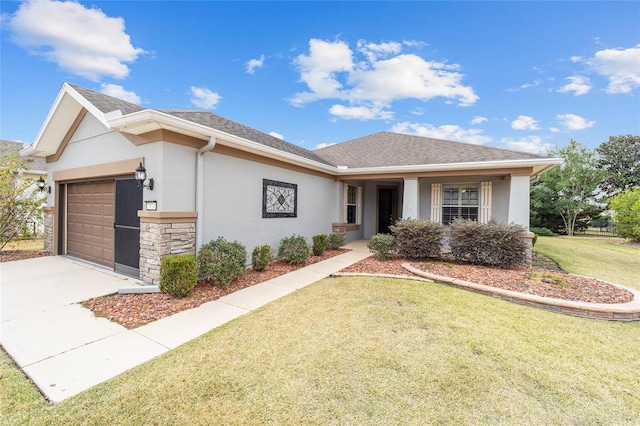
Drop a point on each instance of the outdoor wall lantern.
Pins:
(41, 184)
(141, 176)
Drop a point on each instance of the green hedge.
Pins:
(222, 261)
(294, 249)
(491, 244)
(178, 274)
(417, 239)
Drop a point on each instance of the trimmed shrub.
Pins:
(320, 243)
(383, 246)
(261, 257)
(222, 261)
(178, 274)
(335, 241)
(418, 239)
(294, 249)
(491, 244)
(545, 232)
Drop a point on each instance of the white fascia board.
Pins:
(545, 163)
(143, 119)
(66, 90)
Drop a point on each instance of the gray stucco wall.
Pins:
(233, 202)
(171, 166)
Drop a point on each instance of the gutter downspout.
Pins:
(200, 189)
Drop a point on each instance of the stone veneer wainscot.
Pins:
(162, 234)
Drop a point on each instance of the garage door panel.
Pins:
(90, 218)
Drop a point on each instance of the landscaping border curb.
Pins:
(629, 311)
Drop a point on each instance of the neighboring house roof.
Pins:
(385, 149)
(36, 165)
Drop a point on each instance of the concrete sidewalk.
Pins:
(65, 350)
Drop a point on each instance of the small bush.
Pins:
(383, 246)
(490, 243)
(335, 241)
(222, 261)
(320, 243)
(418, 239)
(545, 232)
(294, 249)
(534, 240)
(261, 257)
(178, 274)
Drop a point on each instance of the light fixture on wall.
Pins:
(141, 176)
(41, 184)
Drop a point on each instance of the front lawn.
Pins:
(370, 351)
(604, 258)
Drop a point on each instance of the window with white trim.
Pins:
(352, 204)
(460, 201)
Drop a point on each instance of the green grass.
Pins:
(369, 351)
(606, 259)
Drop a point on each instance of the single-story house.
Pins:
(216, 177)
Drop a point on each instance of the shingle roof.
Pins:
(218, 122)
(36, 163)
(107, 104)
(386, 149)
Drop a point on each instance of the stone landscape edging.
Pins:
(629, 311)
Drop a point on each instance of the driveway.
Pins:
(59, 344)
(65, 349)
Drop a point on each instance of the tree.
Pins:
(627, 218)
(568, 192)
(620, 158)
(20, 201)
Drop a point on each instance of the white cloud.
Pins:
(574, 122)
(119, 92)
(204, 98)
(323, 144)
(524, 123)
(479, 120)
(536, 82)
(255, 63)
(450, 132)
(554, 129)
(575, 59)
(375, 51)
(531, 144)
(383, 75)
(80, 40)
(361, 112)
(579, 85)
(620, 66)
(319, 70)
(276, 135)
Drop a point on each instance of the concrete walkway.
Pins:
(65, 350)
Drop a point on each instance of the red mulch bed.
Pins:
(543, 278)
(134, 310)
(11, 255)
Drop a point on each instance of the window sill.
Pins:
(353, 227)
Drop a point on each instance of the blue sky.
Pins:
(519, 75)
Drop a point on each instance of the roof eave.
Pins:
(539, 166)
(148, 120)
